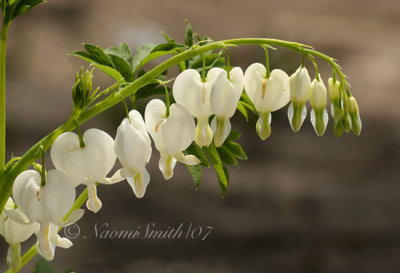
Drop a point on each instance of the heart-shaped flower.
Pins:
(171, 135)
(46, 205)
(133, 149)
(224, 97)
(85, 165)
(15, 233)
(267, 94)
(193, 93)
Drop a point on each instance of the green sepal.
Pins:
(219, 168)
(14, 8)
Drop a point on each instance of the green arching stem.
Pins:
(316, 68)
(167, 102)
(78, 130)
(32, 154)
(43, 171)
(3, 42)
(268, 72)
(203, 71)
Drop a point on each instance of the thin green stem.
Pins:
(3, 42)
(268, 72)
(78, 130)
(32, 154)
(43, 171)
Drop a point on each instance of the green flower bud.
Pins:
(82, 88)
(338, 116)
(354, 115)
(318, 100)
(263, 126)
(334, 91)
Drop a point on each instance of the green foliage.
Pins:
(14, 8)
(43, 266)
(218, 158)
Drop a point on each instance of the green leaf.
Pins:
(42, 266)
(236, 149)
(195, 150)
(189, 35)
(141, 53)
(233, 135)
(109, 71)
(122, 67)
(122, 51)
(195, 171)
(243, 110)
(148, 52)
(218, 167)
(15, 8)
(106, 69)
(97, 54)
(226, 156)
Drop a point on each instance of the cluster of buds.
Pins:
(44, 200)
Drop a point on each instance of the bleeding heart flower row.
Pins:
(88, 158)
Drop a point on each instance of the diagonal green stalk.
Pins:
(3, 41)
(7, 177)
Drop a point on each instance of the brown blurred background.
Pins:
(301, 203)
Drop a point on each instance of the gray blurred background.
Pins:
(301, 203)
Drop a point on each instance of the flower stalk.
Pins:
(32, 154)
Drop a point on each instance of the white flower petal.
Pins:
(154, 116)
(225, 93)
(93, 203)
(178, 130)
(27, 195)
(58, 195)
(131, 147)
(139, 183)
(300, 85)
(221, 128)
(166, 165)
(187, 159)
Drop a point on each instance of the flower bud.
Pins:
(82, 89)
(334, 91)
(318, 100)
(354, 115)
(299, 92)
(338, 116)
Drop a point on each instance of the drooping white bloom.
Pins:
(45, 205)
(15, 233)
(224, 98)
(171, 135)
(133, 149)
(318, 100)
(267, 94)
(86, 165)
(299, 92)
(190, 91)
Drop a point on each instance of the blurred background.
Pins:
(300, 203)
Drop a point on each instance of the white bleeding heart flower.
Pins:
(171, 135)
(190, 91)
(318, 100)
(299, 93)
(46, 205)
(86, 165)
(267, 94)
(15, 233)
(133, 149)
(224, 98)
